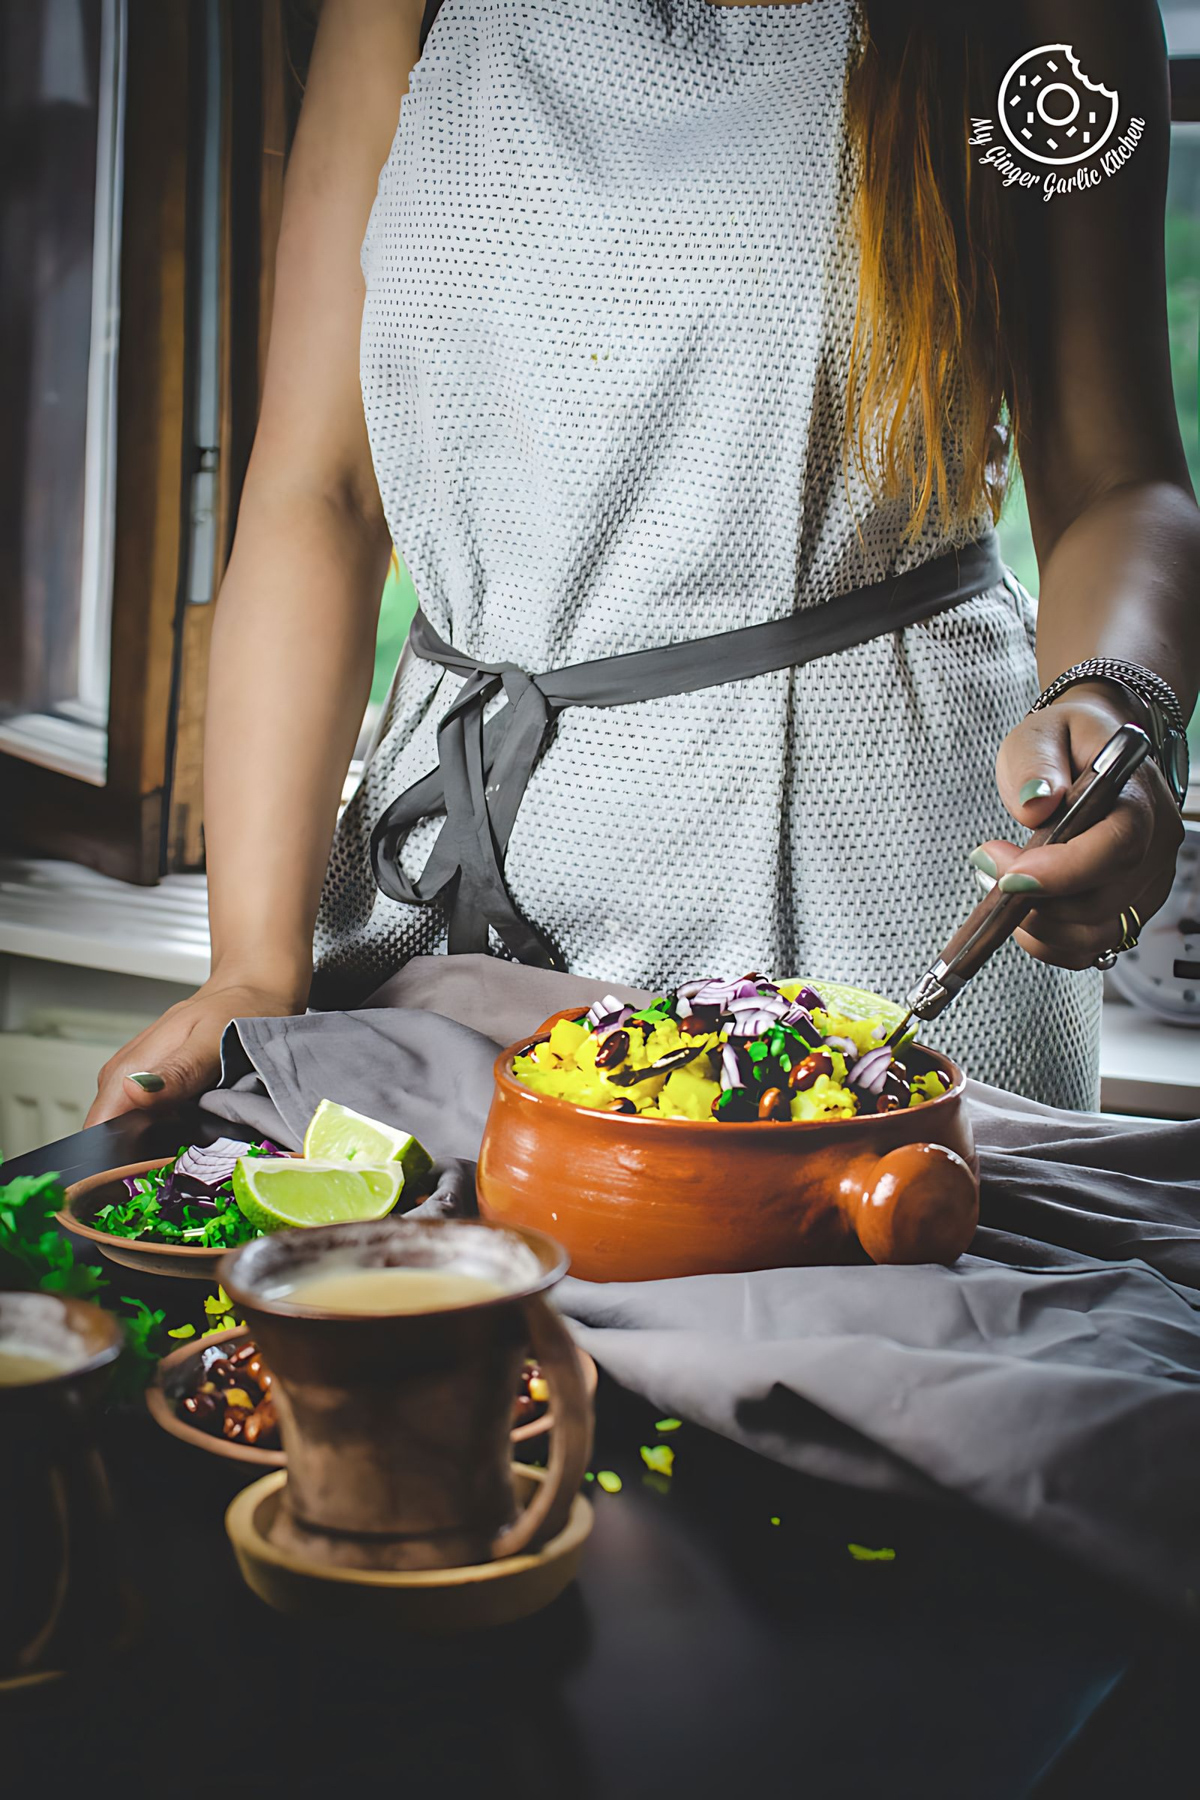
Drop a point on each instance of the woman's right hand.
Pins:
(179, 1057)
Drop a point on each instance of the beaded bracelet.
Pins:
(1167, 727)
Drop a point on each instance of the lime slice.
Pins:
(855, 1003)
(275, 1193)
(335, 1134)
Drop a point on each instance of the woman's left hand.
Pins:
(1128, 858)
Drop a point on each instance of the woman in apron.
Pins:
(692, 337)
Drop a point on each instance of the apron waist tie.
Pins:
(484, 767)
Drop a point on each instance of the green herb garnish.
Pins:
(35, 1255)
(33, 1251)
(143, 1215)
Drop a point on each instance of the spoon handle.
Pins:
(1090, 797)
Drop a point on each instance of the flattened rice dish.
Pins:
(733, 1051)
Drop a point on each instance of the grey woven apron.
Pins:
(484, 766)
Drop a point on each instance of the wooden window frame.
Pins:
(146, 818)
(118, 827)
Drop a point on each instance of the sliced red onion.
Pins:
(846, 1045)
(764, 1003)
(745, 989)
(809, 997)
(683, 1007)
(731, 1074)
(211, 1163)
(802, 1022)
(612, 1021)
(752, 1024)
(870, 1071)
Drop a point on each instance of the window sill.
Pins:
(61, 912)
(1148, 1066)
(68, 746)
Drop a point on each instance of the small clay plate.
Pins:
(85, 1198)
(437, 1602)
(171, 1380)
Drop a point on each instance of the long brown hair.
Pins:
(931, 406)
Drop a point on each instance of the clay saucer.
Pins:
(171, 1379)
(437, 1602)
(84, 1200)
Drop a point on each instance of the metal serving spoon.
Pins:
(1091, 795)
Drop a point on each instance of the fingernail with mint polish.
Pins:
(148, 1081)
(1016, 883)
(979, 859)
(1036, 788)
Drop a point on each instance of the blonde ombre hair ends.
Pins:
(931, 407)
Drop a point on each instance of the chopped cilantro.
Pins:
(154, 1210)
(35, 1254)
(33, 1251)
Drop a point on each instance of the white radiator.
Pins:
(48, 1080)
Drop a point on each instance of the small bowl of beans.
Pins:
(215, 1394)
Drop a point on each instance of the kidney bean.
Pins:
(233, 1424)
(204, 1410)
(613, 1049)
(897, 1088)
(771, 1103)
(697, 1023)
(623, 1105)
(256, 1369)
(262, 1421)
(222, 1372)
(809, 1070)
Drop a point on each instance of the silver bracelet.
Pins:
(1166, 725)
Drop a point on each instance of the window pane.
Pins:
(61, 66)
(395, 616)
(1182, 21)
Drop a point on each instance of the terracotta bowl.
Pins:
(85, 1198)
(171, 1379)
(637, 1198)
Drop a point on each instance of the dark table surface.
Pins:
(722, 1639)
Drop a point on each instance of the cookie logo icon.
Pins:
(1050, 111)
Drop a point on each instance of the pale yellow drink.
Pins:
(18, 1367)
(358, 1290)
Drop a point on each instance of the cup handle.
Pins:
(570, 1435)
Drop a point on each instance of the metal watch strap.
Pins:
(1166, 723)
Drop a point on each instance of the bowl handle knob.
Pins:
(917, 1204)
(570, 1434)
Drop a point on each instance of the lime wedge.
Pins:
(336, 1134)
(276, 1193)
(854, 1003)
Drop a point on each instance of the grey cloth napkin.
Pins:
(1051, 1376)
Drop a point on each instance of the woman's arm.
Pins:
(294, 635)
(1115, 523)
